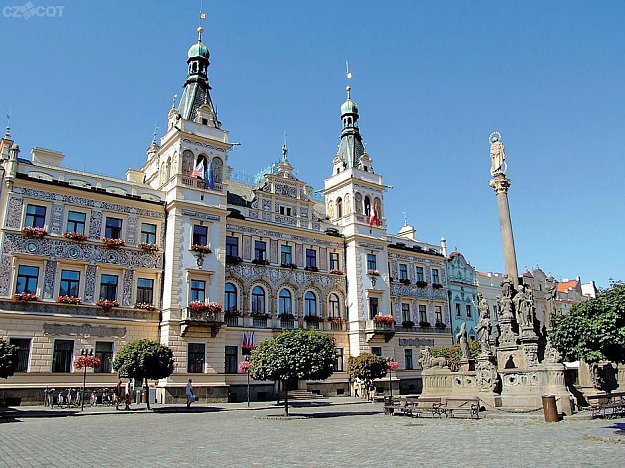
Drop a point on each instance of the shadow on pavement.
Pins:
(184, 409)
(338, 414)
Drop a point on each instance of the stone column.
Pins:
(501, 184)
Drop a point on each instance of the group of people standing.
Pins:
(123, 394)
(364, 390)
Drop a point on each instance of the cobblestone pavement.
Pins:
(338, 435)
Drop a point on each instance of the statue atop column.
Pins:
(525, 309)
(497, 155)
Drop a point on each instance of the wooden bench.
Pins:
(398, 405)
(469, 406)
(608, 405)
(427, 405)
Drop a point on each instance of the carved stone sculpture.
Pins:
(484, 327)
(427, 361)
(486, 375)
(462, 339)
(497, 155)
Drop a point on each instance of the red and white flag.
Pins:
(375, 216)
(198, 170)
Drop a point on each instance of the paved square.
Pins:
(337, 435)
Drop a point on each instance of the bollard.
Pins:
(550, 409)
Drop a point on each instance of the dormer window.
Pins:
(285, 211)
(204, 121)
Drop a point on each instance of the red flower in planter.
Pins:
(35, 232)
(392, 365)
(68, 300)
(88, 362)
(25, 297)
(75, 236)
(106, 304)
(384, 319)
(113, 243)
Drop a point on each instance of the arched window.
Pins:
(201, 164)
(187, 162)
(335, 306)
(358, 202)
(310, 303)
(339, 207)
(258, 300)
(218, 167)
(230, 297)
(285, 302)
(367, 206)
(378, 204)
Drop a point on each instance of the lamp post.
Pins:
(247, 359)
(84, 352)
(391, 365)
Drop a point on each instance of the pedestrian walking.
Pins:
(118, 394)
(356, 388)
(189, 393)
(127, 390)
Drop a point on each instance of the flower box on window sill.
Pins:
(76, 236)
(145, 306)
(68, 300)
(336, 320)
(373, 272)
(113, 243)
(149, 248)
(232, 313)
(203, 249)
(311, 268)
(313, 319)
(260, 261)
(292, 266)
(384, 319)
(407, 324)
(34, 232)
(106, 304)
(25, 297)
(424, 324)
(437, 286)
(286, 317)
(421, 284)
(440, 325)
(212, 308)
(260, 315)
(404, 281)
(233, 260)
(337, 272)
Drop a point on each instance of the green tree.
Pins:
(294, 355)
(8, 359)
(453, 353)
(144, 359)
(367, 367)
(594, 330)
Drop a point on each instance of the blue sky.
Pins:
(432, 81)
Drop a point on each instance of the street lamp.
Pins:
(86, 353)
(391, 365)
(247, 359)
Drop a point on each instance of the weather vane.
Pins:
(348, 74)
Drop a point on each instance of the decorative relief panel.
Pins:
(279, 275)
(286, 220)
(5, 275)
(303, 212)
(287, 190)
(273, 251)
(266, 205)
(48, 279)
(127, 288)
(199, 215)
(95, 225)
(204, 145)
(131, 231)
(280, 235)
(90, 283)
(14, 213)
(83, 330)
(56, 219)
(299, 255)
(323, 258)
(247, 248)
(266, 216)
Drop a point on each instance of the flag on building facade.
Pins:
(198, 170)
(209, 177)
(375, 216)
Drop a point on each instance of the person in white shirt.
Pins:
(127, 390)
(189, 393)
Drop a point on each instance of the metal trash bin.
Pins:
(550, 409)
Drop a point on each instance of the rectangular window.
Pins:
(113, 228)
(405, 312)
(200, 235)
(145, 291)
(108, 287)
(104, 350)
(232, 359)
(285, 210)
(286, 257)
(340, 358)
(458, 310)
(372, 263)
(232, 246)
(468, 310)
(423, 315)
(196, 357)
(438, 312)
(76, 222)
(62, 355)
(70, 283)
(373, 307)
(148, 233)
(311, 258)
(198, 290)
(420, 276)
(403, 271)
(260, 250)
(27, 277)
(435, 277)
(35, 216)
(334, 261)
(408, 359)
(377, 350)
(23, 353)
(495, 317)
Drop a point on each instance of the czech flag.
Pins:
(198, 170)
(375, 216)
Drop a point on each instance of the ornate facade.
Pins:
(94, 262)
(462, 294)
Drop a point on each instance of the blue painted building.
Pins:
(462, 290)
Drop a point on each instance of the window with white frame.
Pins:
(113, 228)
(335, 305)
(230, 297)
(258, 300)
(310, 303)
(198, 290)
(435, 276)
(145, 291)
(148, 233)
(403, 271)
(70, 283)
(285, 302)
(286, 255)
(35, 216)
(200, 235)
(438, 313)
(27, 279)
(423, 314)
(76, 222)
(405, 312)
(334, 261)
(108, 287)
(420, 275)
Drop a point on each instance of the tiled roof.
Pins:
(563, 287)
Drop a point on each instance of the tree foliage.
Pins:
(367, 367)
(8, 359)
(294, 355)
(144, 359)
(453, 353)
(594, 330)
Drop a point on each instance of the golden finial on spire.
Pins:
(200, 30)
(348, 89)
